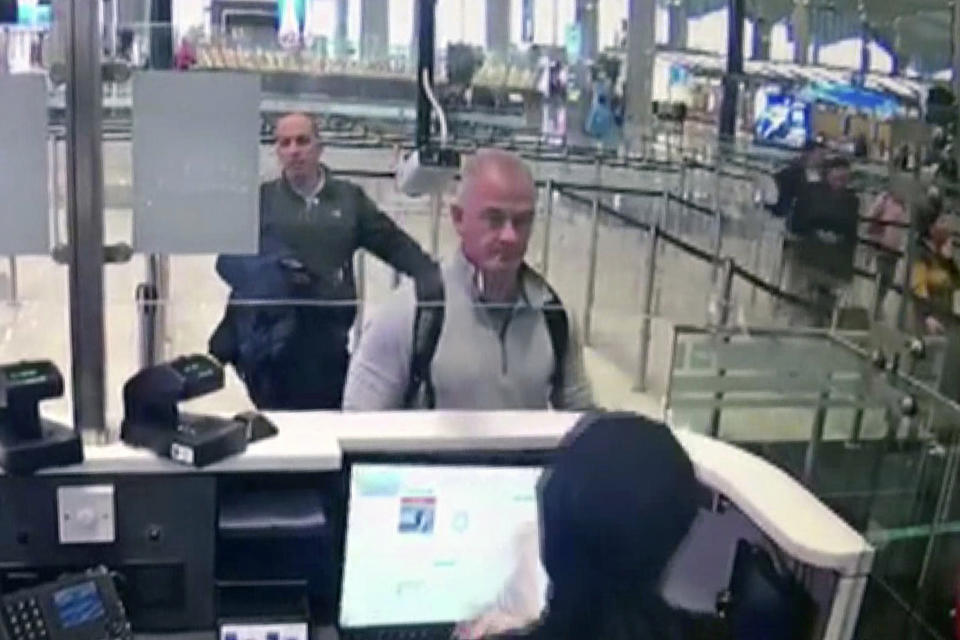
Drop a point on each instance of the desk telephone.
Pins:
(82, 606)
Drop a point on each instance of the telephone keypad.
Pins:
(26, 620)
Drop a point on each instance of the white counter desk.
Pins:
(785, 512)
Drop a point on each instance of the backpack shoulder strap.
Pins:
(558, 325)
(427, 324)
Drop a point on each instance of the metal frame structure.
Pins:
(85, 215)
(427, 11)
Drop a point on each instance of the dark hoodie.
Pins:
(621, 497)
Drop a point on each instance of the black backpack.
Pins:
(428, 322)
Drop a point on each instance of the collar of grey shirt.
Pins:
(533, 293)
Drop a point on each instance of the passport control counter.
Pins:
(345, 521)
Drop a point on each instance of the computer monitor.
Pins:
(434, 544)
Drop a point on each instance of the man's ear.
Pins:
(456, 214)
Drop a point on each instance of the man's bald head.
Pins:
(493, 214)
(298, 120)
(494, 167)
(298, 148)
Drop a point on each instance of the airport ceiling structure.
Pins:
(917, 30)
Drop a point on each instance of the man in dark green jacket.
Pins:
(320, 222)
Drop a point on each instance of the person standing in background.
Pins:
(820, 251)
(291, 351)
(795, 177)
(935, 285)
(935, 278)
(888, 227)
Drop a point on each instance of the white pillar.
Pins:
(641, 52)
(374, 29)
(587, 14)
(679, 22)
(801, 31)
(498, 26)
(415, 35)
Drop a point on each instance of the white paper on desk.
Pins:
(24, 168)
(196, 156)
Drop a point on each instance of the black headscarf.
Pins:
(618, 501)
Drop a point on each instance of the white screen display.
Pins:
(434, 544)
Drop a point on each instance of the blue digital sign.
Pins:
(33, 13)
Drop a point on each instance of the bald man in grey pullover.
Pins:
(495, 349)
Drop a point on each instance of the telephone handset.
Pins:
(82, 606)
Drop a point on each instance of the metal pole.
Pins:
(726, 292)
(726, 302)
(361, 278)
(665, 211)
(779, 270)
(857, 430)
(731, 80)
(115, 27)
(683, 178)
(55, 222)
(718, 223)
(755, 265)
(14, 287)
(425, 63)
(647, 319)
(717, 242)
(153, 296)
(816, 437)
(547, 224)
(877, 297)
(114, 45)
(911, 255)
(435, 204)
(146, 301)
(591, 284)
(84, 96)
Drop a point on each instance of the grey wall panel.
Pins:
(196, 162)
(24, 176)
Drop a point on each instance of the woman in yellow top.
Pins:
(935, 278)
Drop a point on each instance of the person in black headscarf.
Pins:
(619, 500)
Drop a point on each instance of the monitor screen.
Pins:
(782, 120)
(8, 11)
(33, 13)
(434, 544)
(78, 604)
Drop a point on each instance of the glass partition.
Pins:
(34, 309)
(856, 418)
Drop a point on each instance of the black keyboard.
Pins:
(432, 632)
